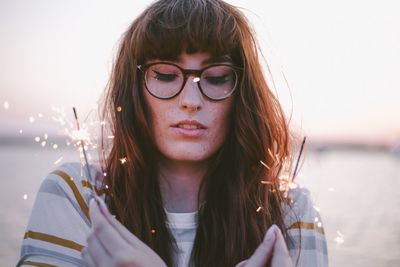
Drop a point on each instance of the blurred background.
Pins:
(334, 67)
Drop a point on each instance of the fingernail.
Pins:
(270, 235)
(101, 203)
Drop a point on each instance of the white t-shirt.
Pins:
(183, 227)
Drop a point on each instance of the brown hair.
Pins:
(239, 208)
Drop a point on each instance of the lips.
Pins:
(189, 128)
(189, 125)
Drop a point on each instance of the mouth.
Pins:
(189, 125)
(189, 128)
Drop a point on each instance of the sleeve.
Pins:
(59, 221)
(306, 236)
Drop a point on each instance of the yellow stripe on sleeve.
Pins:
(53, 239)
(75, 190)
(307, 225)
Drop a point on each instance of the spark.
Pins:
(45, 136)
(106, 186)
(123, 160)
(258, 209)
(81, 134)
(104, 174)
(266, 182)
(340, 238)
(20, 131)
(37, 139)
(316, 219)
(110, 136)
(265, 165)
(55, 146)
(319, 224)
(6, 105)
(153, 231)
(119, 109)
(58, 161)
(31, 119)
(43, 144)
(25, 196)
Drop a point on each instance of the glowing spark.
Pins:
(316, 219)
(119, 109)
(319, 224)
(110, 136)
(153, 231)
(266, 182)
(265, 165)
(31, 119)
(258, 209)
(123, 160)
(81, 134)
(55, 146)
(340, 238)
(196, 79)
(106, 186)
(6, 105)
(37, 139)
(20, 131)
(45, 136)
(105, 174)
(58, 161)
(25, 196)
(43, 144)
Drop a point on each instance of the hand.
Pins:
(111, 244)
(273, 246)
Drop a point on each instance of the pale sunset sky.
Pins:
(341, 60)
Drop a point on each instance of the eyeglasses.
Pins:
(166, 80)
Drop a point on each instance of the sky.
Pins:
(335, 64)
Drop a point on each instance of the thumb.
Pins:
(264, 251)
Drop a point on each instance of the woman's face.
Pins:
(176, 139)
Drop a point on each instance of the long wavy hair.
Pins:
(243, 196)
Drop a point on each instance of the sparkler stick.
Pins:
(84, 154)
(298, 158)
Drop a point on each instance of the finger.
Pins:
(281, 256)
(87, 258)
(120, 228)
(106, 234)
(264, 251)
(241, 264)
(98, 253)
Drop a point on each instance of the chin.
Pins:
(186, 152)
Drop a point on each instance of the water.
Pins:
(357, 193)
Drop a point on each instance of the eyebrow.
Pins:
(219, 59)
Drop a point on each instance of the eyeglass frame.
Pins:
(186, 73)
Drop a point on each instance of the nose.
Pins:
(190, 97)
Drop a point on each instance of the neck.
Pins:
(179, 184)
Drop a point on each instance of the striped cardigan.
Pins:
(59, 222)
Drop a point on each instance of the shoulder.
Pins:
(306, 234)
(71, 181)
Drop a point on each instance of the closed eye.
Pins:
(164, 77)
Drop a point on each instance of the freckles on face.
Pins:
(176, 146)
(178, 143)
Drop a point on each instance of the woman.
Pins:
(192, 173)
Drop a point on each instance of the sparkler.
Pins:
(84, 155)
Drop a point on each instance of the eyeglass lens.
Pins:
(165, 80)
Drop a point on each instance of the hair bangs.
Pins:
(188, 26)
